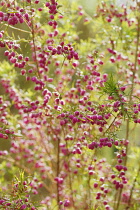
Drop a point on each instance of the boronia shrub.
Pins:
(69, 105)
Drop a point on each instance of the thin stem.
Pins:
(45, 147)
(34, 46)
(130, 99)
(136, 59)
(18, 29)
(132, 88)
(89, 193)
(115, 198)
(119, 198)
(58, 169)
(132, 189)
(126, 137)
(70, 181)
(110, 126)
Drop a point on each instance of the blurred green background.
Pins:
(85, 31)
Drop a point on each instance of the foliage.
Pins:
(18, 197)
